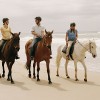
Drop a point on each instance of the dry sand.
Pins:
(61, 89)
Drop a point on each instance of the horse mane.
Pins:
(9, 49)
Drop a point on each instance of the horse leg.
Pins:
(66, 69)
(28, 63)
(8, 79)
(29, 68)
(75, 64)
(9, 64)
(48, 71)
(34, 64)
(3, 75)
(85, 69)
(38, 69)
(58, 59)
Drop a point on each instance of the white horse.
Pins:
(80, 49)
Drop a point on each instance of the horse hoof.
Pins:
(29, 75)
(85, 80)
(12, 82)
(76, 80)
(68, 77)
(50, 82)
(38, 79)
(57, 75)
(34, 77)
(8, 79)
(26, 67)
(0, 75)
(3, 75)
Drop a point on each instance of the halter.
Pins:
(89, 50)
(44, 41)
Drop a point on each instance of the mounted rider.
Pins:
(6, 34)
(71, 36)
(38, 32)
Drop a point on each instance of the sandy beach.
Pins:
(61, 89)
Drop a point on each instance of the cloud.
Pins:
(55, 13)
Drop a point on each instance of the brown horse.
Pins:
(42, 53)
(9, 53)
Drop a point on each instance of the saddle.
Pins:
(70, 51)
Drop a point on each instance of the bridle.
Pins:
(89, 50)
(44, 41)
(15, 46)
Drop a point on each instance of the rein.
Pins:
(44, 41)
(85, 47)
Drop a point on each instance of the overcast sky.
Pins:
(56, 14)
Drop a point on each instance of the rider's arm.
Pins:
(43, 32)
(76, 35)
(34, 33)
(3, 34)
(66, 38)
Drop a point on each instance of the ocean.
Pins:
(93, 64)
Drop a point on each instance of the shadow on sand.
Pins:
(80, 82)
(17, 84)
(45, 83)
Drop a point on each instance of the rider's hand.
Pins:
(75, 41)
(66, 43)
(38, 35)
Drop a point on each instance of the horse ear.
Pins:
(52, 32)
(19, 33)
(46, 31)
(12, 34)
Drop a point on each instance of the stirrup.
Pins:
(31, 57)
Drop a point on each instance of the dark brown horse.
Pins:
(9, 53)
(42, 53)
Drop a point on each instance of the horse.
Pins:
(8, 54)
(80, 48)
(42, 53)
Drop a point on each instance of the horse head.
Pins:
(47, 38)
(92, 47)
(16, 41)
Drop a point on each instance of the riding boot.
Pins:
(33, 47)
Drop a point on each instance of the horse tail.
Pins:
(27, 52)
(58, 58)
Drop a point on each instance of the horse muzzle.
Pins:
(94, 56)
(17, 48)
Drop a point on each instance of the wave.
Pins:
(62, 40)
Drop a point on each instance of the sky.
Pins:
(56, 14)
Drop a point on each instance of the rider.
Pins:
(38, 32)
(6, 33)
(71, 36)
